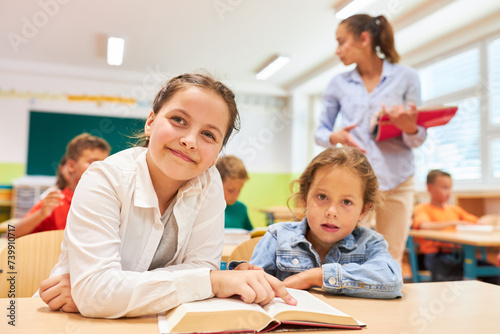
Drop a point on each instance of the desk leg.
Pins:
(470, 262)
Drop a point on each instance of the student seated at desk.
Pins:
(146, 228)
(51, 212)
(234, 176)
(329, 248)
(443, 260)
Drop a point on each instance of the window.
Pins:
(495, 157)
(453, 147)
(450, 75)
(468, 146)
(494, 81)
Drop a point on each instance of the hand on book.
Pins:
(405, 120)
(344, 137)
(253, 286)
(305, 280)
(56, 293)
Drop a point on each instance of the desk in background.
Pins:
(471, 242)
(444, 307)
(282, 213)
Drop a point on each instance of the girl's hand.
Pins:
(56, 293)
(247, 266)
(253, 286)
(405, 120)
(50, 202)
(344, 137)
(498, 259)
(305, 280)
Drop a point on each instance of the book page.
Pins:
(308, 308)
(214, 315)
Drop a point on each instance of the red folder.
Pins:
(434, 116)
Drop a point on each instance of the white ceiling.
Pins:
(230, 38)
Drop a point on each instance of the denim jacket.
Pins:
(358, 265)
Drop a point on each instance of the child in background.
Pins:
(51, 212)
(234, 176)
(328, 249)
(443, 260)
(145, 231)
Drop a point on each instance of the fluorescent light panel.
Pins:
(274, 66)
(116, 46)
(353, 7)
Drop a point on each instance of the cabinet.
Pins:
(479, 203)
(27, 191)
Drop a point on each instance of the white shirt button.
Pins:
(295, 261)
(196, 296)
(332, 281)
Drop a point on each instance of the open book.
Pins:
(383, 128)
(218, 315)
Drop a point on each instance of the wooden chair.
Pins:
(244, 251)
(417, 274)
(30, 261)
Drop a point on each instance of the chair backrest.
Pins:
(29, 259)
(244, 251)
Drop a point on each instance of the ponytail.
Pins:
(380, 31)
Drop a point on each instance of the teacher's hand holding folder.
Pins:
(392, 123)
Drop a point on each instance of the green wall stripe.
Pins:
(10, 172)
(263, 190)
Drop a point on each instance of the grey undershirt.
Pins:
(168, 243)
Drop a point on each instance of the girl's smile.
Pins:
(181, 155)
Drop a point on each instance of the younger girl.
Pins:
(145, 231)
(327, 249)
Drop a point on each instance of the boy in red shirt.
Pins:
(51, 212)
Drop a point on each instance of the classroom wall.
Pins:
(263, 142)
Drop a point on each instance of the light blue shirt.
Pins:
(391, 159)
(358, 265)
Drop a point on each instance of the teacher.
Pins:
(377, 84)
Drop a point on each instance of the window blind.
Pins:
(494, 81)
(495, 157)
(454, 147)
(451, 74)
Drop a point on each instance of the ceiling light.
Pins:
(272, 66)
(353, 7)
(116, 46)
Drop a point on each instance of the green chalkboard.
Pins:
(50, 132)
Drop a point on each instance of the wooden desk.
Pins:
(470, 243)
(444, 307)
(282, 213)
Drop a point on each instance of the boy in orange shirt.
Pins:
(443, 260)
(51, 212)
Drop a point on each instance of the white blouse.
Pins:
(114, 229)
